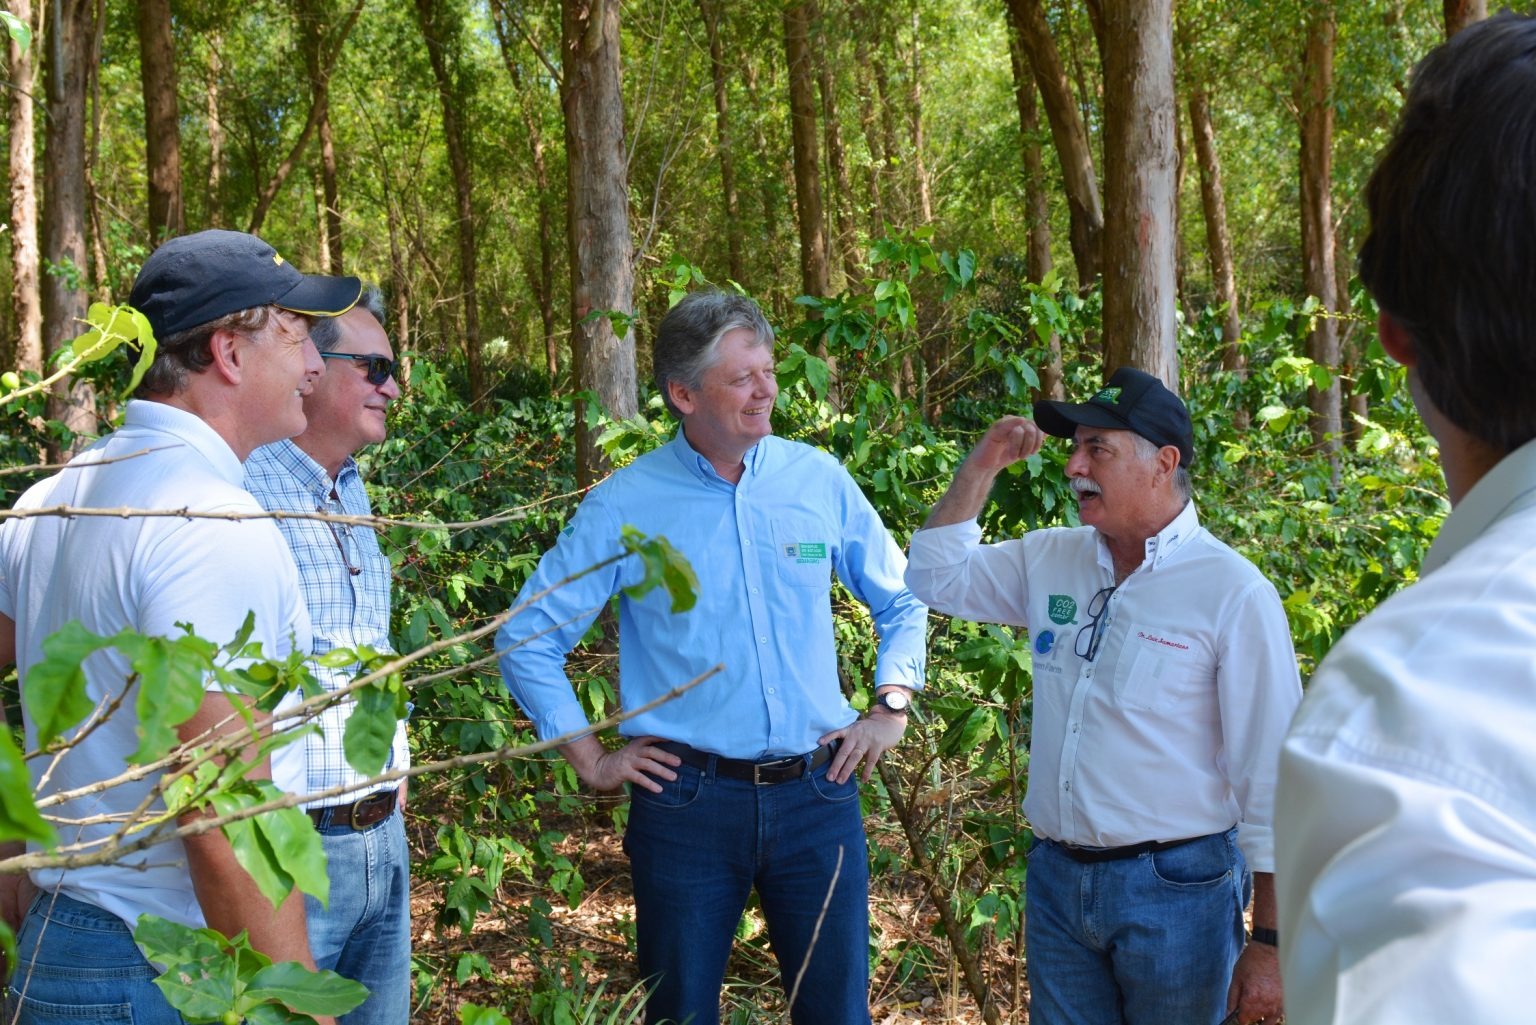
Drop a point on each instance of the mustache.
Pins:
(1082, 486)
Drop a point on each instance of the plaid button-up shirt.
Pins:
(345, 579)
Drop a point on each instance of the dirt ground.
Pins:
(598, 926)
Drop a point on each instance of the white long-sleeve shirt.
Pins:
(1173, 730)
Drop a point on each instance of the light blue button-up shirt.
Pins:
(765, 550)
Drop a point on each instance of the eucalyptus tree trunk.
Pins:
(919, 159)
(814, 273)
(70, 29)
(542, 279)
(709, 11)
(1070, 136)
(1036, 199)
(597, 204)
(216, 218)
(162, 135)
(1461, 13)
(1314, 101)
(440, 25)
(868, 122)
(1218, 240)
(27, 353)
(312, 31)
(1139, 178)
(824, 53)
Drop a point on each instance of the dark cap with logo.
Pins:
(1131, 400)
(194, 279)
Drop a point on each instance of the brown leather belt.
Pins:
(359, 815)
(765, 773)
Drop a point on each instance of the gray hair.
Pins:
(688, 338)
(325, 332)
(1147, 450)
(188, 352)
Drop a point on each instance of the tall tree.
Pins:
(162, 133)
(320, 89)
(815, 277)
(842, 191)
(542, 279)
(597, 206)
(1461, 13)
(1140, 327)
(1071, 138)
(214, 87)
(28, 351)
(441, 25)
(1218, 240)
(710, 11)
(70, 31)
(313, 20)
(1314, 102)
(1036, 200)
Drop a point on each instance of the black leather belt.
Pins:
(765, 773)
(1095, 855)
(359, 815)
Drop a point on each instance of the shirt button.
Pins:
(762, 640)
(747, 543)
(754, 590)
(770, 690)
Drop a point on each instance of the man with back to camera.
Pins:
(365, 932)
(747, 780)
(1164, 677)
(1407, 808)
(232, 368)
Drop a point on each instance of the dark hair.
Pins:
(688, 337)
(187, 352)
(325, 332)
(1451, 253)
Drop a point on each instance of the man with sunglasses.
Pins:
(231, 370)
(1164, 678)
(365, 932)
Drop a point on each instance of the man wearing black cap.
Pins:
(1164, 678)
(231, 370)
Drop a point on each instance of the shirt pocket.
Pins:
(802, 551)
(1166, 671)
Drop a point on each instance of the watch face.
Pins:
(895, 700)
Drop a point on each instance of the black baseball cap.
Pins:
(194, 279)
(1131, 400)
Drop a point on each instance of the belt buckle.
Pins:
(775, 765)
(366, 807)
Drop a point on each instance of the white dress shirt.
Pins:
(1173, 729)
(1407, 861)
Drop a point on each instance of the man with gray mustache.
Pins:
(1164, 678)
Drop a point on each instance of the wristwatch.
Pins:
(895, 701)
(1268, 937)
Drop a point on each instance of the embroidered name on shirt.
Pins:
(805, 552)
(1161, 640)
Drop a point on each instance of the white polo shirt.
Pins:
(1407, 855)
(145, 574)
(1173, 729)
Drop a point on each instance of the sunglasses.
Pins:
(378, 369)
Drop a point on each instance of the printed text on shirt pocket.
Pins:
(1161, 668)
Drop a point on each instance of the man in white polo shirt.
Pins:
(233, 365)
(1164, 678)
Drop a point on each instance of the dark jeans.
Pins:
(1148, 940)
(698, 849)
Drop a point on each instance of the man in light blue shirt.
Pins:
(747, 780)
(364, 933)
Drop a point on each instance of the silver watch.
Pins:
(894, 701)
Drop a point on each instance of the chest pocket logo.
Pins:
(804, 557)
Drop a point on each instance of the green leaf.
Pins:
(817, 375)
(202, 979)
(252, 848)
(290, 835)
(171, 680)
(55, 687)
(19, 817)
(665, 567)
(370, 730)
(18, 29)
(337, 658)
(297, 988)
(474, 1014)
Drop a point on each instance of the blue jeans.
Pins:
(696, 851)
(1149, 940)
(78, 963)
(365, 934)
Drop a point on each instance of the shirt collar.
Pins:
(310, 475)
(1507, 488)
(705, 471)
(189, 429)
(1160, 547)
